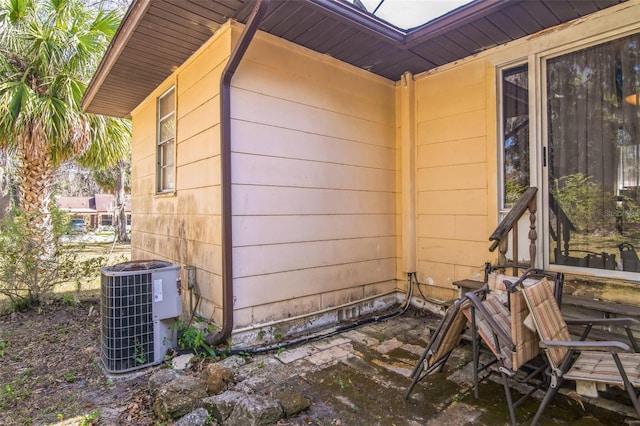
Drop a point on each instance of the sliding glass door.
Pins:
(593, 156)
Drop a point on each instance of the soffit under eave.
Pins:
(372, 48)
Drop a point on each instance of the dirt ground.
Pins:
(50, 372)
(49, 358)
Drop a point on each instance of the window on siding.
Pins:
(515, 133)
(586, 162)
(166, 141)
(593, 134)
(106, 220)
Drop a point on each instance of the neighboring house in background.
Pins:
(359, 153)
(97, 210)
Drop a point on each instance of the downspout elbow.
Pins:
(249, 31)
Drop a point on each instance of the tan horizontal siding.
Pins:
(452, 170)
(314, 182)
(184, 227)
(287, 143)
(263, 289)
(278, 200)
(262, 230)
(259, 260)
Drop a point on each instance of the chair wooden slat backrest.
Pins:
(500, 322)
(547, 318)
(448, 339)
(585, 362)
(527, 342)
(443, 341)
(510, 311)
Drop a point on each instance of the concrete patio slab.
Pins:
(359, 377)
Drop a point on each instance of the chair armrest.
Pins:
(481, 292)
(611, 346)
(620, 322)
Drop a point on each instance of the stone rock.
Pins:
(199, 417)
(161, 378)
(179, 397)
(217, 378)
(255, 410)
(293, 403)
(221, 406)
(182, 362)
(233, 362)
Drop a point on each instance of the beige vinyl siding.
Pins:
(457, 145)
(313, 183)
(185, 227)
(453, 172)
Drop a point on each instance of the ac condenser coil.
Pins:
(139, 304)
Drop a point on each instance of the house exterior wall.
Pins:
(313, 172)
(457, 149)
(319, 157)
(455, 172)
(184, 226)
(314, 175)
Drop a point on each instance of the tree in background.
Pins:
(73, 180)
(49, 50)
(116, 181)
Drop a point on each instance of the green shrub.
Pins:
(584, 202)
(33, 263)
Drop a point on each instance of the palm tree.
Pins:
(48, 51)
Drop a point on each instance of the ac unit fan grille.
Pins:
(127, 325)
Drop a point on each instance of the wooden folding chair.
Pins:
(443, 341)
(446, 337)
(499, 323)
(598, 363)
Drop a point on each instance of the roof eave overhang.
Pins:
(354, 16)
(460, 16)
(130, 22)
(420, 48)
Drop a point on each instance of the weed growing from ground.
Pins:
(69, 300)
(70, 376)
(88, 419)
(194, 338)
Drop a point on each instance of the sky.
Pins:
(411, 13)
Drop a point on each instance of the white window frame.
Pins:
(162, 163)
(538, 144)
(501, 187)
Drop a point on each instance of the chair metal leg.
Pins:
(415, 380)
(423, 372)
(507, 392)
(627, 384)
(551, 392)
(418, 370)
(476, 354)
(420, 364)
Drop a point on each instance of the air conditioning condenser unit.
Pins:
(140, 302)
